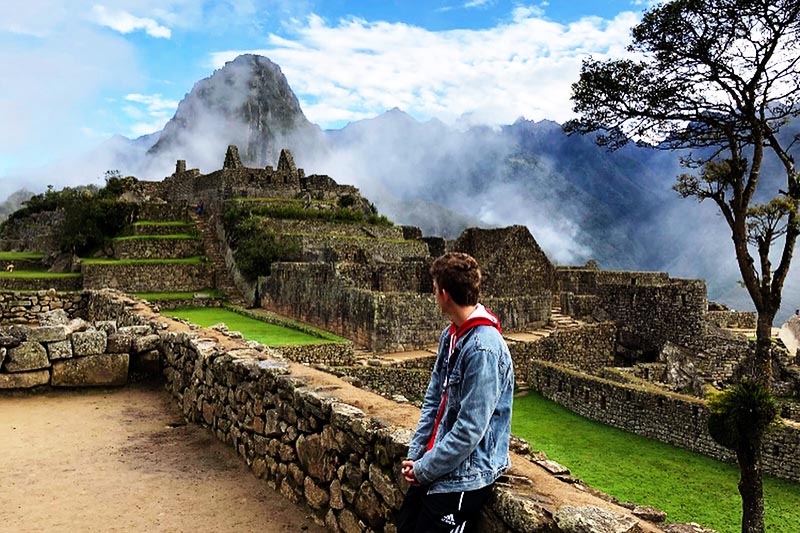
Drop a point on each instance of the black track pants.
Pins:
(449, 512)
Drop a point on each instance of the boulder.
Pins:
(94, 371)
(29, 355)
(24, 380)
(790, 334)
(91, 342)
(592, 519)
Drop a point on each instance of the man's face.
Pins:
(439, 295)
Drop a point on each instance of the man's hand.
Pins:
(408, 473)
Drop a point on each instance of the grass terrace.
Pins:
(170, 223)
(690, 487)
(197, 260)
(253, 329)
(38, 274)
(174, 236)
(20, 256)
(155, 296)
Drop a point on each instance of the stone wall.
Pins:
(672, 418)
(410, 383)
(34, 233)
(588, 349)
(380, 321)
(155, 248)
(362, 249)
(405, 276)
(25, 307)
(158, 277)
(315, 227)
(74, 353)
(163, 212)
(157, 229)
(732, 319)
(60, 283)
(511, 261)
(650, 315)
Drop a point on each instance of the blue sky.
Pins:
(78, 72)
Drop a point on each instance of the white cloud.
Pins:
(522, 67)
(477, 3)
(124, 22)
(155, 113)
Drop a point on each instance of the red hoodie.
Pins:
(479, 317)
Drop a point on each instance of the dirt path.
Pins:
(109, 460)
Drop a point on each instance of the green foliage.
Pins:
(252, 329)
(741, 415)
(293, 211)
(255, 248)
(92, 216)
(688, 486)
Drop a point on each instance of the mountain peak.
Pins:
(247, 102)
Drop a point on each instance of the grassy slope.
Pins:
(37, 274)
(267, 334)
(688, 486)
(172, 236)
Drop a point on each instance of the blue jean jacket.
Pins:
(471, 446)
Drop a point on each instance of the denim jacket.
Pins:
(471, 446)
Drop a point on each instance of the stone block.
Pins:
(572, 519)
(145, 343)
(135, 330)
(91, 342)
(56, 317)
(59, 350)
(3, 352)
(109, 326)
(119, 342)
(24, 380)
(94, 371)
(48, 334)
(29, 355)
(316, 497)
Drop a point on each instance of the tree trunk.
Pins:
(750, 487)
(762, 363)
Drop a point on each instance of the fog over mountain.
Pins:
(580, 201)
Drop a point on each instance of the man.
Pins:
(460, 446)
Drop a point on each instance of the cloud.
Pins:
(155, 114)
(124, 22)
(520, 67)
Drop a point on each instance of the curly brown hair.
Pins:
(458, 274)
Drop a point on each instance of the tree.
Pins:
(719, 79)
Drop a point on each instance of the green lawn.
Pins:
(197, 260)
(20, 256)
(252, 329)
(688, 486)
(37, 274)
(167, 223)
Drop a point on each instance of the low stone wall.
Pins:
(732, 319)
(156, 229)
(588, 349)
(166, 212)
(187, 302)
(166, 277)
(390, 381)
(155, 248)
(672, 418)
(330, 353)
(347, 248)
(74, 353)
(67, 283)
(25, 307)
(21, 264)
